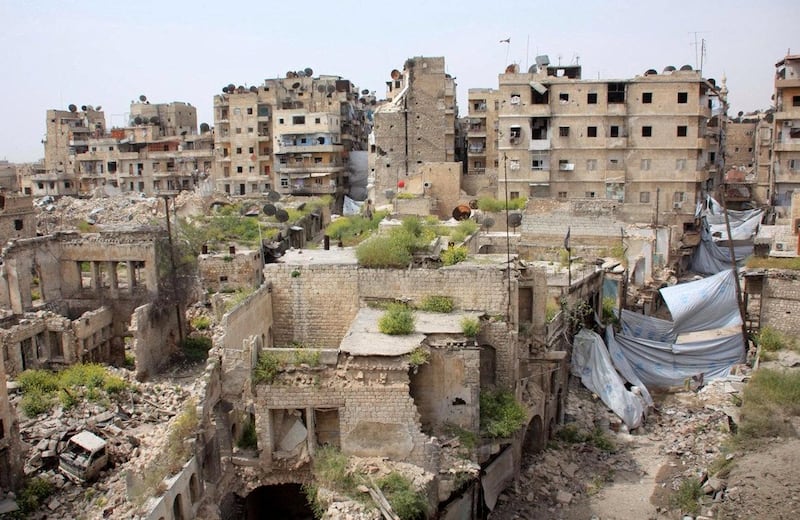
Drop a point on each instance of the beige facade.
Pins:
(160, 151)
(763, 161)
(482, 139)
(68, 134)
(625, 140)
(10, 458)
(416, 125)
(17, 217)
(8, 176)
(292, 135)
(786, 131)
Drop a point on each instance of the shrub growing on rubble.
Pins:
(407, 502)
(501, 414)
(453, 255)
(267, 368)
(436, 303)
(470, 327)
(398, 320)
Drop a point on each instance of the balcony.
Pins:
(790, 145)
(538, 144)
(308, 148)
(477, 150)
(786, 83)
(312, 170)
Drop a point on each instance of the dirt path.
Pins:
(629, 494)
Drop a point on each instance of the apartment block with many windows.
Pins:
(785, 171)
(628, 140)
(292, 135)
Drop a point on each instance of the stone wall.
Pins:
(780, 307)
(17, 218)
(181, 498)
(155, 338)
(10, 450)
(229, 272)
(376, 413)
(246, 329)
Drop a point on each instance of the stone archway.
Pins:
(534, 437)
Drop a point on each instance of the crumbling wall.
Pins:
(181, 498)
(376, 413)
(780, 306)
(10, 450)
(155, 338)
(246, 329)
(229, 272)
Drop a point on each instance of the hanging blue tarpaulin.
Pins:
(706, 304)
(704, 338)
(710, 258)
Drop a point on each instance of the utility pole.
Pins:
(739, 299)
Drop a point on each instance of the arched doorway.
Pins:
(285, 501)
(534, 437)
(177, 508)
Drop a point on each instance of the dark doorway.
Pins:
(534, 437)
(283, 501)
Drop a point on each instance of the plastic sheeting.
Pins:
(351, 207)
(661, 365)
(592, 363)
(706, 304)
(708, 257)
(705, 338)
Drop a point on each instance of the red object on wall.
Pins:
(401, 184)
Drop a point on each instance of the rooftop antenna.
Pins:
(699, 49)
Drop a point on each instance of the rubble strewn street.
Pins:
(135, 427)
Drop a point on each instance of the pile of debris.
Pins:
(133, 428)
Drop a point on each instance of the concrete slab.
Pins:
(364, 338)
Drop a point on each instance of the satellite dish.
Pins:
(321, 88)
(72, 108)
(364, 92)
(651, 72)
(254, 89)
(138, 120)
(462, 212)
(231, 88)
(273, 196)
(532, 69)
(296, 84)
(487, 223)
(269, 209)
(473, 204)
(204, 127)
(98, 108)
(512, 69)
(331, 89)
(669, 68)
(301, 74)
(83, 108)
(291, 74)
(396, 74)
(309, 71)
(514, 219)
(281, 215)
(225, 89)
(142, 98)
(686, 68)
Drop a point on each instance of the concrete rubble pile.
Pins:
(135, 427)
(688, 426)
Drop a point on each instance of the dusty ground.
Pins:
(685, 435)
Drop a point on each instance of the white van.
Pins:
(84, 457)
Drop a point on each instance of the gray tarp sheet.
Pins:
(710, 258)
(592, 363)
(706, 336)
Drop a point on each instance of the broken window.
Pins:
(249, 111)
(647, 131)
(589, 194)
(613, 131)
(591, 98)
(85, 273)
(563, 97)
(563, 131)
(539, 128)
(796, 101)
(591, 131)
(289, 431)
(682, 130)
(239, 150)
(644, 197)
(540, 99)
(18, 224)
(616, 92)
(794, 133)
(683, 97)
(515, 99)
(647, 97)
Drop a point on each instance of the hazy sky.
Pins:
(108, 52)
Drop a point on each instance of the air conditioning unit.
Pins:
(778, 246)
(787, 123)
(427, 185)
(677, 205)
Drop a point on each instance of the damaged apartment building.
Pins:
(415, 133)
(340, 382)
(651, 141)
(294, 135)
(72, 297)
(160, 150)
